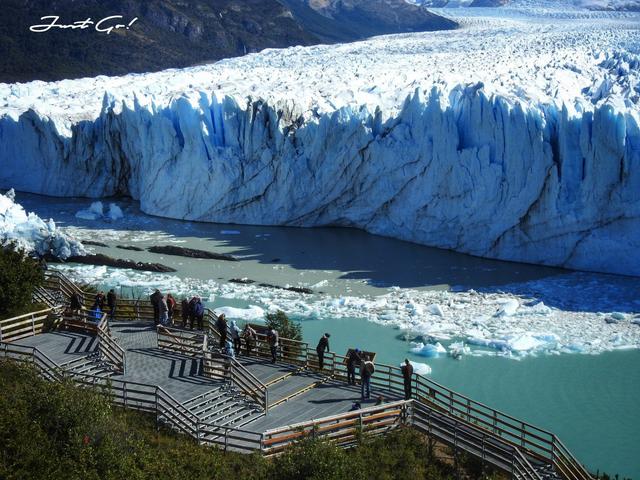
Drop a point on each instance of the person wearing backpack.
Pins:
(366, 371)
(323, 345)
(235, 336)
(198, 310)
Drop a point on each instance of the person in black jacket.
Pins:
(407, 375)
(184, 310)
(76, 303)
(221, 325)
(111, 303)
(323, 345)
(155, 298)
(353, 360)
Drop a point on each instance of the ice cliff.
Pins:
(30, 233)
(510, 138)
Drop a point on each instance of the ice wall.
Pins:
(460, 171)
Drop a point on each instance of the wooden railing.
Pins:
(109, 349)
(341, 429)
(220, 366)
(179, 341)
(26, 325)
(85, 321)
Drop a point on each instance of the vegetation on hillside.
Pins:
(19, 276)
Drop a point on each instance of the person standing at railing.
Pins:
(192, 311)
(100, 300)
(171, 306)
(323, 345)
(353, 360)
(198, 312)
(155, 298)
(274, 342)
(366, 371)
(235, 336)
(250, 338)
(184, 310)
(221, 325)
(111, 303)
(76, 303)
(407, 375)
(164, 311)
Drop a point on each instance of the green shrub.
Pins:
(286, 328)
(19, 276)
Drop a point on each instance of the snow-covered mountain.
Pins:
(516, 136)
(616, 5)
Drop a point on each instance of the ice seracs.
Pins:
(516, 137)
(28, 232)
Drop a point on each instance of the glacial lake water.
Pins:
(589, 400)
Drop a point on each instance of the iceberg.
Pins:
(510, 138)
(96, 212)
(28, 232)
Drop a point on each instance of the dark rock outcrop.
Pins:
(105, 260)
(191, 253)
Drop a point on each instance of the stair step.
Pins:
(227, 415)
(218, 410)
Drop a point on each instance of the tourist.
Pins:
(198, 312)
(274, 342)
(171, 306)
(192, 311)
(379, 400)
(228, 349)
(100, 300)
(366, 371)
(96, 311)
(155, 302)
(111, 302)
(250, 338)
(164, 311)
(407, 375)
(356, 406)
(235, 336)
(184, 310)
(221, 325)
(75, 303)
(323, 345)
(353, 360)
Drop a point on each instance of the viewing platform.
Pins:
(247, 403)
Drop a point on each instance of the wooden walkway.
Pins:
(250, 404)
(180, 375)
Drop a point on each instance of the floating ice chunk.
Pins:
(229, 232)
(435, 309)
(419, 368)
(115, 212)
(618, 316)
(96, 212)
(497, 344)
(508, 308)
(252, 313)
(321, 283)
(458, 349)
(428, 350)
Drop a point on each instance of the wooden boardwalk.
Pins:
(180, 375)
(248, 403)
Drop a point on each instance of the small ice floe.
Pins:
(428, 350)
(252, 313)
(321, 283)
(419, 368)
(96, 212)
(458, 349)
(618, 316)
(508, 308)
(435, 309)
(229, 232)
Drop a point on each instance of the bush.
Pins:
(19, 276)
(286, 328)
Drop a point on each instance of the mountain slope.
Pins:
(346, 20)
(179, 33)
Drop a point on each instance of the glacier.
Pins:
(31, 234)
(515, 137)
